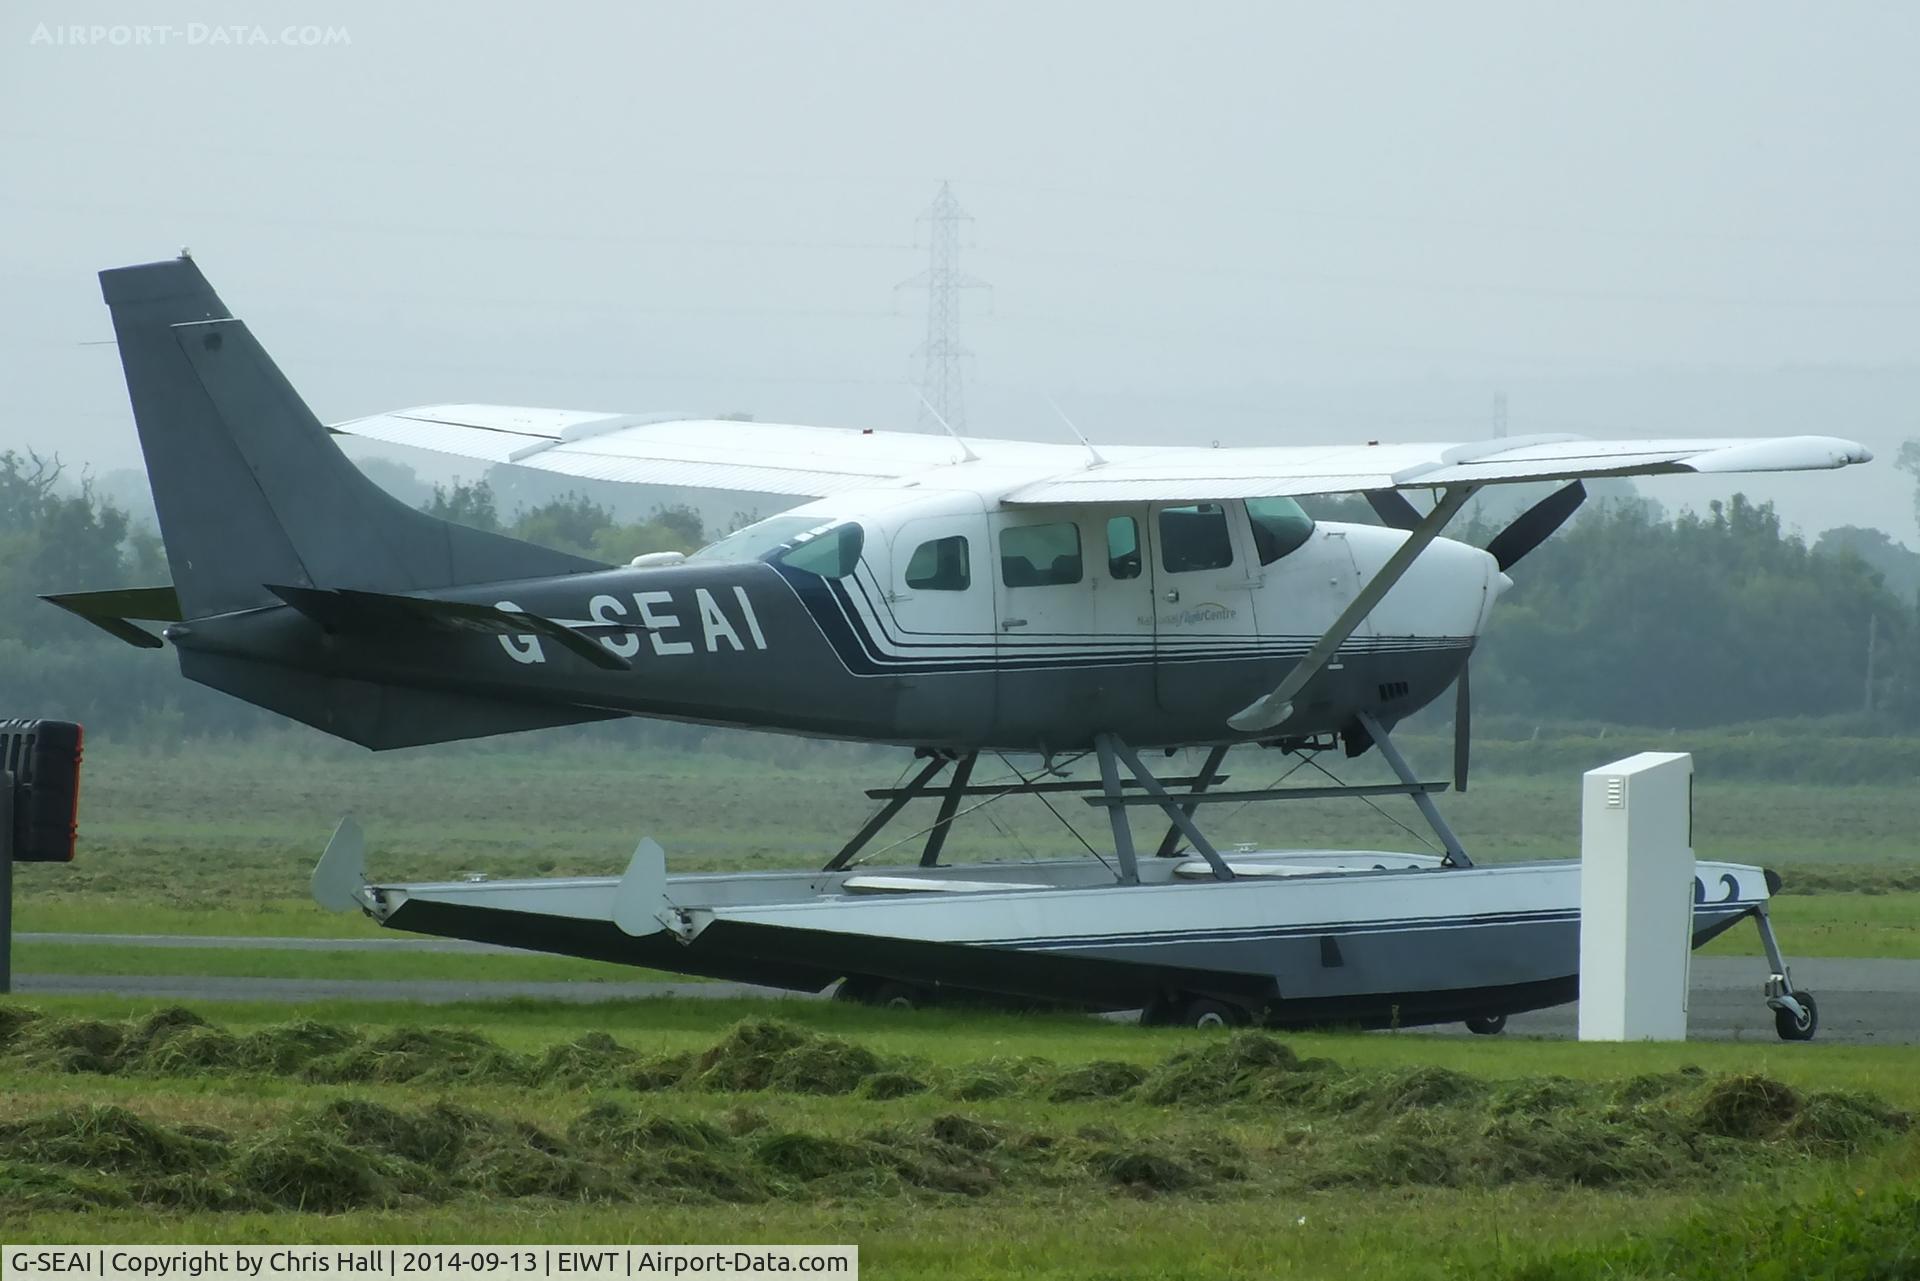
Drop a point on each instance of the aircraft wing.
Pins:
(1191, 475)
(765, 458)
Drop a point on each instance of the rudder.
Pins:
(249, 487)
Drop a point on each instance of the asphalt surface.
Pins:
(274, 943)
(1862, 1002)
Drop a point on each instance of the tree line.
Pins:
(1627, 617)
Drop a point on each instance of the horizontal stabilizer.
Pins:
(110, 610)
(348, 610)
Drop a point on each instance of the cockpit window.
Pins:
(830, 553)
(759, 539)
(1279, 527)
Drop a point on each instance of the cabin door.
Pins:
(1206, 580)
(936, 619)
(939, 599)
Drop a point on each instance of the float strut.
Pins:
(893, 806)
(1209, 774)
(1456, 853)
(949, 805)
(1103, 746)
(1181, 820)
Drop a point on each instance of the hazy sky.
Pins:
(1255, 222)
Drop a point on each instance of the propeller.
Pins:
(1393, 509)
(1535, 525)
(1531, 528)
(1528, 530)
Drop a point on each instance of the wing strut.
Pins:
(1275, 708)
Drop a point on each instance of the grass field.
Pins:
(1037, 1146)
(1004, 1145)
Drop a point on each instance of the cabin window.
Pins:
(1279, 527)
(1195, 537)
(831, 553)
(1040, 555)
(1123, 547)
(940, 565)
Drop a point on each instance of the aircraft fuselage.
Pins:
(946, 623)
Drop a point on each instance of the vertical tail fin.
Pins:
(249, 487)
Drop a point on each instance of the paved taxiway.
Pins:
(1862, 1002)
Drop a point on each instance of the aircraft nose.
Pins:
(1500, 584)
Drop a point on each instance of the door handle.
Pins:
(1009, 624)
(1173, 595)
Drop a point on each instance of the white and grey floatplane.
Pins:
(954, 595)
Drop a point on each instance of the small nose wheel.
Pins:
(1487, 1024)
(1795, 1016)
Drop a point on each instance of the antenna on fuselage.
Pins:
(1078, 435)
(966, 452)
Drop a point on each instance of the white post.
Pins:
(1636, 898)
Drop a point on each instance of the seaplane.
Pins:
(949, 594)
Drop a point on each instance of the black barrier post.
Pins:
(6, 882)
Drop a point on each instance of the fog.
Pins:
(1244, 223)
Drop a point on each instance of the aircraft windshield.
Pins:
(758, 539)
(830, 553)
(1279, 526)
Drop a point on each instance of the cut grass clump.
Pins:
(305, 1168)
(766, 1054)
(663, 1073)
(25, 1186)
(1748, 1106)
(1402, 1090)
(70, 1045)
(448, 1056)
(594, 1059)
(1845, 1121)
(999, 1078)
(435, 1137)
(13, 1020)
(614, 1127)
(107, 1139)
(289, 1047)
(1244, 1067)
(1145, 1170)
(795, 1154)
(1100, 1079)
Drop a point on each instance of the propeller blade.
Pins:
(1462, 729)
(1393, 509)
(1535, 525)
